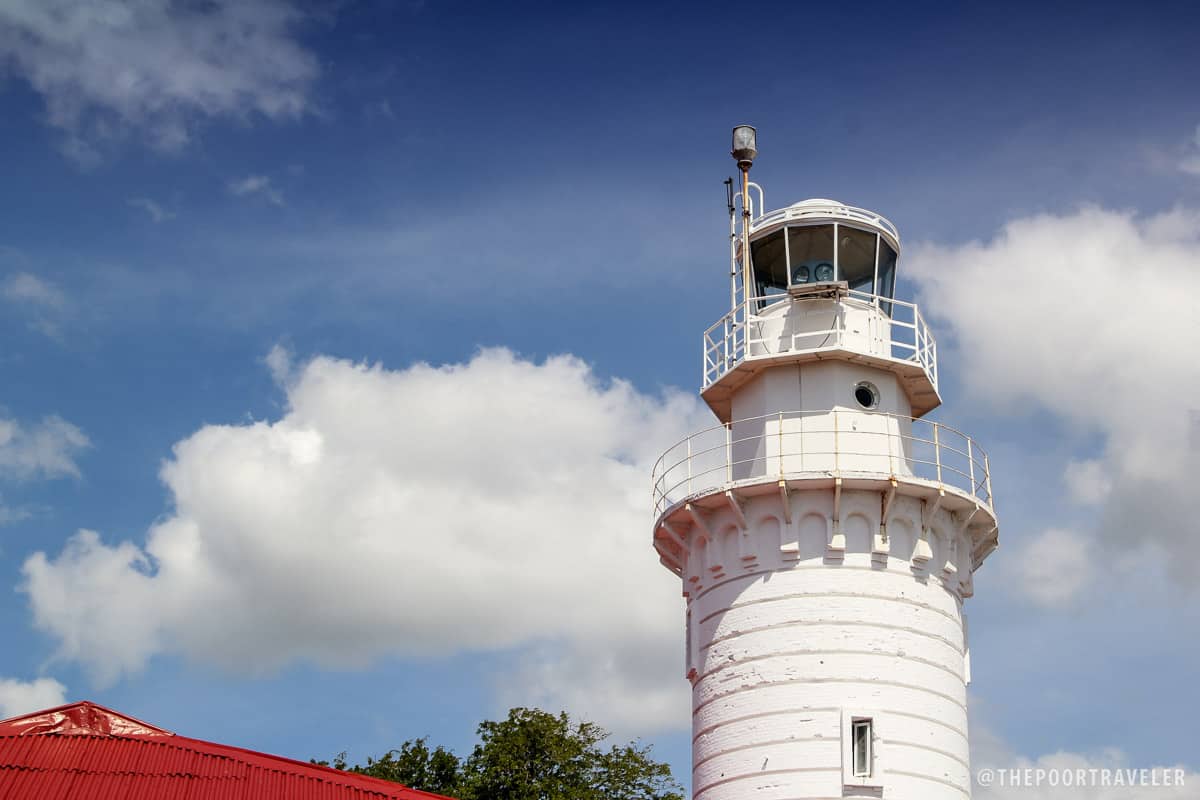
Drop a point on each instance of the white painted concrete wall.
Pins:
(786, 641)
(814, 323)
(865, 441)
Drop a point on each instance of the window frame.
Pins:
(785, 230)
(862, 731)
(851, 777)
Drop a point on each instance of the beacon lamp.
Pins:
(744, 146)
(744, 150)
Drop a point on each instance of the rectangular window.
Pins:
(810, 254)
(769, 258)
(860, 733)
(856, 258)
(885, 275)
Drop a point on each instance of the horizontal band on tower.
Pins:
(821, 594)
(907, 575)
(829, 681)
(958, 652)
(763, 773)
(890, 740)
(826, 652)
(779, 712)
(760, 715)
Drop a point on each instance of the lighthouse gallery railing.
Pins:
(798, 444)
(740, 335)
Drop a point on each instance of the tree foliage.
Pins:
(531, 755)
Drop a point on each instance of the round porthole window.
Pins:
(866, 394)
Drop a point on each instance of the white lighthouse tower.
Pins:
(825, 533)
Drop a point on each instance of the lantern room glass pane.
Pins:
(886, 286)
(811, 251)
(856, 258)
(770, 265)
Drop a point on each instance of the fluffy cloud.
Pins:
(22, 697)
(1091, 316)
(153, 210)
(990, 752)
(43, 303)
(1053, 569)
(22, 287)
(493, 505)
(9, 515)
(156, 65)
(257, 185)
(45, 449)
(1088, 481)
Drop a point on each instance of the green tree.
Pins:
(531, 755)
(414, 765)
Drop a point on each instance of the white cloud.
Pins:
(487, 506)
(38, 298)
(1092, 316)
(9, 515)
(47, 448)
(22, 287)
(990, 752)
(1190, 161)
(22, 697)
(279, 363)
(630, 684)
(1053, 569)
(105, 67)
(257, 185)
(1088, 481)
(155, 211)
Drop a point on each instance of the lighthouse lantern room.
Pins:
(825, 532)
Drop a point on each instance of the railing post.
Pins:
(729, 452)
(887, 423)
(971, 467)
(689, 463)
(728, 331)
(916, 337)
(781, 444)
(654, 492)
(933, 366)
(837, 461)
(801, 435)
(704, 363)
(987, 476)
(937, 450)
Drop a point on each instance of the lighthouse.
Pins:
(825, 532)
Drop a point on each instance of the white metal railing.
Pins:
(822, 211)
(743, 334)
(797, 444)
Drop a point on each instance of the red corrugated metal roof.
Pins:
(84, 751)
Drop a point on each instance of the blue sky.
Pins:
(191, 189)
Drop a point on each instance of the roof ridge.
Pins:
(86, 727)
(81, 717)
